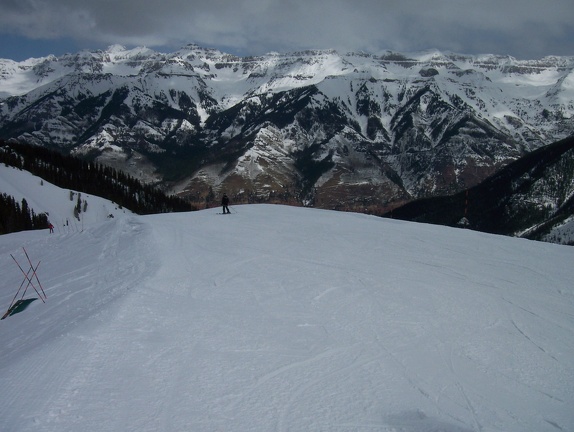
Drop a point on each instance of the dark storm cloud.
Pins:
(522, 28)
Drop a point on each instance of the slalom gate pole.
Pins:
(34, 286)
(17, 292)
(30, 282)
(26, 279)
(35, 274)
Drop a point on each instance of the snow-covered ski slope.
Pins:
(286, 319)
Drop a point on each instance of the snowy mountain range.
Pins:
(345, 131)
(277, 318)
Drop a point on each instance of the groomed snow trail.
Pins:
(287, 319)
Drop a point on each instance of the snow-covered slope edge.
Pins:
(56, 202)
(283, 318)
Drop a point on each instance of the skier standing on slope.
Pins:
(225, 204)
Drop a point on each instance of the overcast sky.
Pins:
(526, 29)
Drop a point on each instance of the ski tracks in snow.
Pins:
(88, 347)
(262, 322)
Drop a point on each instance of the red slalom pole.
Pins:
(30, 282)
(34, 274)
(17, 292)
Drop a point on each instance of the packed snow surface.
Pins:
(277, 318)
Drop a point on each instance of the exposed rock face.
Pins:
(532, 197)
(349, 131)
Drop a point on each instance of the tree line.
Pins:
(15, 216)
(89, 177)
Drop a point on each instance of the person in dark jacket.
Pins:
(225, 204)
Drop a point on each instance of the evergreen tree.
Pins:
(15, 217)
(90, 177)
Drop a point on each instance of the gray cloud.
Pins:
(526, 29)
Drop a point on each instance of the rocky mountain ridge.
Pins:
(532, 197)
(347, 131)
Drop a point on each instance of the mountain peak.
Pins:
(116, 48)
(352, 131)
